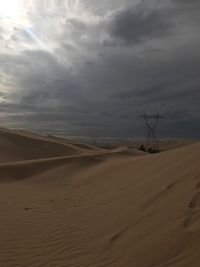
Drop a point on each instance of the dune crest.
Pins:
(18, 145)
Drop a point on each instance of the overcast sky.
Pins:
(91, 67)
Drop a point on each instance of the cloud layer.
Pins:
(92, 67)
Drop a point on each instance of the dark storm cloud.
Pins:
(187, 3)
(138, 23)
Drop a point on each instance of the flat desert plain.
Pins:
(72, 204)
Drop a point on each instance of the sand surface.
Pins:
(66, 204)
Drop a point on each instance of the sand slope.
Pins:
(97, 210)
(20, 145)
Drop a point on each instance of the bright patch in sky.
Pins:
(10, 8)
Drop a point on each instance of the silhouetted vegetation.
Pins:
(149, 150)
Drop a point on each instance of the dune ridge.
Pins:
(20, 145)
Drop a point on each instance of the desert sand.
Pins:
(71, 204)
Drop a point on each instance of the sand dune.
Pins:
(102, 209)
(20, 170)
(21, 145)
(76, 143)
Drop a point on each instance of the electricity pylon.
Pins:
(151, 122)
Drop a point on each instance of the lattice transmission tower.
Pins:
(151, 122)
